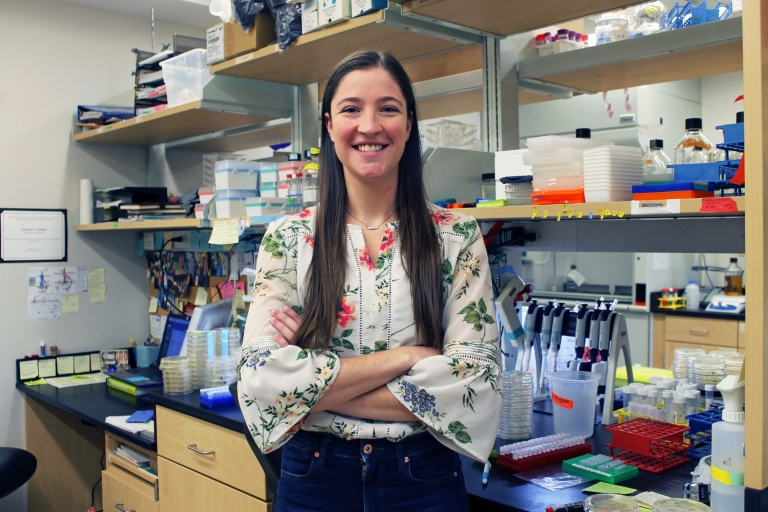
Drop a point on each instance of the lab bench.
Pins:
(68, 454)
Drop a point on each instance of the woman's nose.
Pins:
(369, 124)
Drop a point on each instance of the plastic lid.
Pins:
(734, 260)
(610, 503)
(583, 133)
(679, 505)
(693, 123)
(693, 394)
(657, 144)
(709, 387)
(642, 391)
(489, 176)
(290, 176)
(692, 281)
(739, 117)
(540, 38)
(298, 175)
(667, 393)
(653, 392)
(630, 389)
(314, 151)
(679, 399)
(563, 31)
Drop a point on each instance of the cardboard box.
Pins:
(309, 16)
(236, 41)
(360, 7)
(331, 12)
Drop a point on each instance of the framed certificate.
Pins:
(28, 235)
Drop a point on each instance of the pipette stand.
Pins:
(619, 343)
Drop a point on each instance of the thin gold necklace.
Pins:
(372, 228)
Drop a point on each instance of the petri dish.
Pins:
(680, 505)
(610, 503)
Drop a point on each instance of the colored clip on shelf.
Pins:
(600, 467)
(700, 433)
(649, 445)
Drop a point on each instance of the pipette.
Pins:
(557, 333)
(582, 324)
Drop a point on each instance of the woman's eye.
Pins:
(391, 110)
(349, 110)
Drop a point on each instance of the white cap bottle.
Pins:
(728, 448)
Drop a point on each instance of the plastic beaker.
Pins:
(574, 398)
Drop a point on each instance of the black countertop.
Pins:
(504, 492)
(700, 313)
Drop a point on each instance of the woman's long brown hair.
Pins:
(419, 244)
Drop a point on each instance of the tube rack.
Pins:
(649, 445)
(541, 452)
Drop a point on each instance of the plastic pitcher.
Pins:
(574, 396)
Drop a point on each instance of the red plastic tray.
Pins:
(643, 436)
(665, 457)
(543, 460)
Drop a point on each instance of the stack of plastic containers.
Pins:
(177, 375)
(610, 172)
(680, 361)
(198, 343)
(236, 181)
(733, 364)
(227, 341)
(516, 406)
(558, 168)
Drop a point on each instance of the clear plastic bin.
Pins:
(185, 76)
(574, 397)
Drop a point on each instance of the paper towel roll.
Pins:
(86, 202)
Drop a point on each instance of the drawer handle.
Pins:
(699, 331)
(119, 506)
(193, 447)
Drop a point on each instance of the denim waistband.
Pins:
(373, 448)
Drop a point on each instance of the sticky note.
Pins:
(96, 285)
(158, 241)
(95, 362)
(65, 365)
(28, 369)
(225, 289)
(37, 382)
(224, 232)
(69, 304)
(82, 364)
(201, 297)
(47, 367)
(239, 303)
(606, 488)
(153, 304)
(137, 379)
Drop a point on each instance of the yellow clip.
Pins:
(558, 216)
(579, 215)
(621, 214)
(535, 212)
(615, 214)
(565, 208)
(546, 214)
(570, 213)
(602, 214)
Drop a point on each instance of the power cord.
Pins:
(93, 489)
(162, 277)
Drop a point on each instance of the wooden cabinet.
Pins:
(206, 467)
(189, 491)
(121, 492)
(672, 332)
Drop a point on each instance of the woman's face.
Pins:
(369, 125)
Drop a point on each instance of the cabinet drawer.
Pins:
(228, 457)
(118, 491)
(701, 331)
(185, 490)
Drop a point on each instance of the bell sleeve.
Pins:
(458, 395)
(277, 387)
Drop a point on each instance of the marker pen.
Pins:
(42, 349)
(576, 506)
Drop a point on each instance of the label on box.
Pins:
(360, 7)
(215, 41)
(309, 19)
(333, 11)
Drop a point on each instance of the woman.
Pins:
(371, 352)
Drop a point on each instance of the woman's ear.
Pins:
(328, 125)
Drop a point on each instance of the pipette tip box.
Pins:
(576, 466)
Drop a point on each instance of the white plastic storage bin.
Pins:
(205, 194)
(237, 174)
(231, 202)
(266, 207)
(268, 173)
(282, 189)
(268, 189)
(199, 210)
(185, 76)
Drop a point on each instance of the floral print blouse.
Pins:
(456, 396)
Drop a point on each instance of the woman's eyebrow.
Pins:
(390, 98)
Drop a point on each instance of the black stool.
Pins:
(16, 467)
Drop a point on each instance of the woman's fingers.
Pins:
(291, 321)
(281, 341)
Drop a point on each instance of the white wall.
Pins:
(59, 55)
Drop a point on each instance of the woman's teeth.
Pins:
(368, 148)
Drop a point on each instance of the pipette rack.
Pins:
(649, 445)
(700, 433)
(583, 466)
(540, 460)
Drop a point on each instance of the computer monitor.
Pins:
(174, 335)
(209, 317)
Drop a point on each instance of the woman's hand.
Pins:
(287, 322)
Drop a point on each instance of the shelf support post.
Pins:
(755, 29)
(501, 128)
(305, 126)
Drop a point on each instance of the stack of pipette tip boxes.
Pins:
(541, 452)
(601, 467)
(610, 172)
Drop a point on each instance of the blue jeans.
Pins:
(322, 472)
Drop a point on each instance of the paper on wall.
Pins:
(96, 285)
(47, 368)
(157, 326)
(43, 306)
(65, 280)
(70, 304)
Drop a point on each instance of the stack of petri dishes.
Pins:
(199, 343)
(230, 335)
(733, 364)
(220, 371)
(177, 375)
(680, 361)
(516, 406)
(709, 370)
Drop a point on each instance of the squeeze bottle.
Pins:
(728, 448)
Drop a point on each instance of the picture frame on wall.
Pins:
(33, 235)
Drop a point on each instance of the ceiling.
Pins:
(189, 12)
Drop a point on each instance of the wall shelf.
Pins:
(504, 18)
(688, 208)
(693, 52)
(141, 225)
(314, 55)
